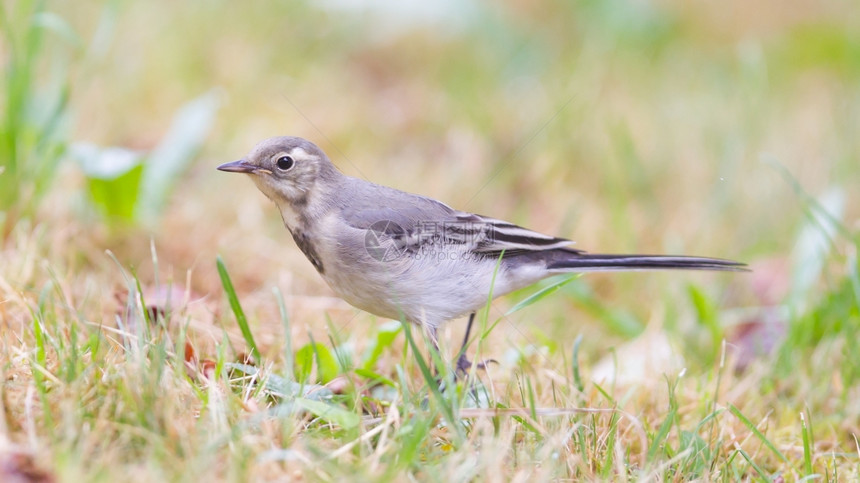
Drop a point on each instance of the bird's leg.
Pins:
(463, 364)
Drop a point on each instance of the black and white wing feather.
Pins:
(491, 237)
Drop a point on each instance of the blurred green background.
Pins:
(695, 128)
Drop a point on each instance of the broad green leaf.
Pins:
(104, 163)
(375, 377)
(115, 198)
(330, 412)
(304, 363)
(327, 367)
(113, 178)
(284, 388)
(385, 336)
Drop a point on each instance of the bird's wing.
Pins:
(414, 223)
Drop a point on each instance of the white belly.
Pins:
(427, 287)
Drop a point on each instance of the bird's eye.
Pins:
(285, 162)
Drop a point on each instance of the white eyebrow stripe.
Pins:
(298, 152)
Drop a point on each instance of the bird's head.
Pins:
(284, 168)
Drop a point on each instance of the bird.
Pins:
(409, 257)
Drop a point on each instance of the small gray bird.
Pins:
(403, 256)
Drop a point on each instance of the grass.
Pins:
(132, 352)
(32, 138)
(102, 401)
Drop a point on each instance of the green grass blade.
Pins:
(806, 432)
(604, 393)
(530, 392)
(764, 476)
(41, 362)
(610, 445)
(447, 410)
(756, 432)
(540, 294)
(237, 308)
(661, 435)
(288, 336)
(577, 378)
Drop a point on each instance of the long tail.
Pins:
(587, 262)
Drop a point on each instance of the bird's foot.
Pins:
(464, 365)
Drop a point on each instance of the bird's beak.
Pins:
(240, 166)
